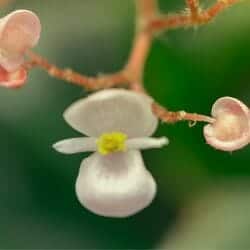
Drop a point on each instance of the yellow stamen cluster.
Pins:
(111, 142)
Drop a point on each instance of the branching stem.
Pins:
(149, 22)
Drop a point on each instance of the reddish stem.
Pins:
(193, 6)
(90, 83)
(173, 117)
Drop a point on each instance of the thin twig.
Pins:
(193, 7)
(90, 83)
(173, 117)
(166, 22)
(146, 10)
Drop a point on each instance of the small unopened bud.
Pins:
(231, 129)
(19, 31)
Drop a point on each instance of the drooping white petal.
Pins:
(116, 185)
(113, 110)
(76, 145)
(146, 143)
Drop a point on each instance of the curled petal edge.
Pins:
(13, 80)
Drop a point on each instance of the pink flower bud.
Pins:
(13, 79)
(19, 31)
(231, 129)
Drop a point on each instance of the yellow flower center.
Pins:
(111, 142)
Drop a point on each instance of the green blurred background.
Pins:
(187, 69)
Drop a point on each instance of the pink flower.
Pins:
(19, 31)
(231, 129)
(113, 181)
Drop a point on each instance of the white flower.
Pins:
(113, 181)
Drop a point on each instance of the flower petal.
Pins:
(19, 31)
(76, 145)
(231, 130)
(117, 185)
(146, 143)
(13, 80)
(11, 63)
(113, 110)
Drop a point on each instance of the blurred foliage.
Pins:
(217, 220)
(187, 69)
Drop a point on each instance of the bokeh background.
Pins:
(203, 199)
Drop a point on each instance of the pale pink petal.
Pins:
(12, 63)
(113, 110)
(231, 130)
(146, 143)
(76, 145)
(14, 79)
(116, 185)
(19, 31)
